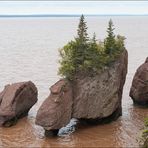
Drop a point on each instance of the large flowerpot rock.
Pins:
(92, 97)
(139, 88)
(99, 96)
(15, 101)
(55, 112)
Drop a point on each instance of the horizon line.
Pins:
(66, 15)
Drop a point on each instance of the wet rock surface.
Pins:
(139, 88)
(15, 101)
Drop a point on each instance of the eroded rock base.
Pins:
(49, 133)
(114, 116)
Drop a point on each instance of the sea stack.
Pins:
(99, 95)
(139, 88)
(15, 101)
(90, 97)
(95, 73)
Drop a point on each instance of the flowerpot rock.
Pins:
(90, 97)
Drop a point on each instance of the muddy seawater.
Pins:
(29, 51)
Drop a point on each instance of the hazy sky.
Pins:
(74, 7)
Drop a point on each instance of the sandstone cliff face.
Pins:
(16, 100)
(139, 88)
(55, 112)
(100, 96)
(86, 97)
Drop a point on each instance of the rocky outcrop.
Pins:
(139, 88)
(100, 96)
(15, 101)
(90, 97)
(55, 112)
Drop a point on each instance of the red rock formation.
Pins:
(99, 96)
(86, 97)
(139, 88)
(15, 101)
(55, 112)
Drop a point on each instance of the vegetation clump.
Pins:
(88, 55)
(144, 137)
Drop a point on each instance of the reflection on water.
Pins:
(29, 51)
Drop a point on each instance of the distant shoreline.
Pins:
(59, 15)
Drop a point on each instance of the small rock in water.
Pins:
(139, 88)
(15, 102)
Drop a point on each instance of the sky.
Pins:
(74, 7)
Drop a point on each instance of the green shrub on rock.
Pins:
(144, 138)
(87, 55)
(146, 122)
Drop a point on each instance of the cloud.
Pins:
(74, 7)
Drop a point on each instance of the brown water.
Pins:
(29, 51)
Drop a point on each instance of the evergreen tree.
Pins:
(84, 55)
(93, 43)
(82, 30)
(110, 40)
(81, 44)
(94, 38)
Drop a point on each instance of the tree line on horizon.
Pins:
(85, 54)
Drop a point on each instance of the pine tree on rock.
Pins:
(110, 40)
(94, 38)
(87, 56)
(81, 43)
(93, 43)
(82, 30)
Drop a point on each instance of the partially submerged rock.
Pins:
(55, 112)
(15, 101)
(95, 97)
(139, 88)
